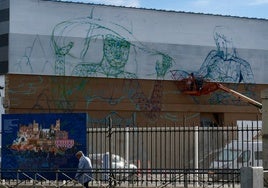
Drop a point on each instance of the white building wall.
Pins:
(56, 38)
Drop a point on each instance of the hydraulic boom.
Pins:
(206, 88)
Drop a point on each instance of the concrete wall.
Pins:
(122, 62)
(56, 38)
(130, 102)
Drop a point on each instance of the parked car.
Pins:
(233, 156)
(120, 169)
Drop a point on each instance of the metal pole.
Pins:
(196, 156)
(251, 177)
(110, 153)
(127, 146)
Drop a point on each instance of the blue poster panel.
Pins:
(42, 144)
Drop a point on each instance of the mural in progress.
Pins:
(41, 141)
(223, 64)
(109, 50)
(91, 46)
(102, 50)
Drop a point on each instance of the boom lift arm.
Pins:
(240, 96)
(206, 88)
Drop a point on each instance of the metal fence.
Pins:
(172, 156)
(166, 156)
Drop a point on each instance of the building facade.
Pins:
(126, 63)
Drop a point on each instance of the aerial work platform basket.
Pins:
(197, 86)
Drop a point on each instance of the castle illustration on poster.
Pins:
(42, 142)
(34, 138)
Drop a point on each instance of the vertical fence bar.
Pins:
(156, 155)
(141, 156)
(127, 151)
(196, 155)
(175, 152)
(160, 167)
(110, 151)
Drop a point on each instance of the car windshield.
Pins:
(228, 155)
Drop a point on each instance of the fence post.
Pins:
(196, 154)
(252, 177)
(110, 152)
(185, 177)
(264, 110)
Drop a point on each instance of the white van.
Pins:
(233, 156)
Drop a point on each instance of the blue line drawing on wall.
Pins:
(224, 64)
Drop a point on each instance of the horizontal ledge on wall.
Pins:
(209, 108)
(165, 108)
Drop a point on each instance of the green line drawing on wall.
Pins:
(28, 62)
(116, 119)
(115, 47)
(103, 49)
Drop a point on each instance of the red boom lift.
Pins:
(198, 86)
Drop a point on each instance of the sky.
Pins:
(241, 8)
